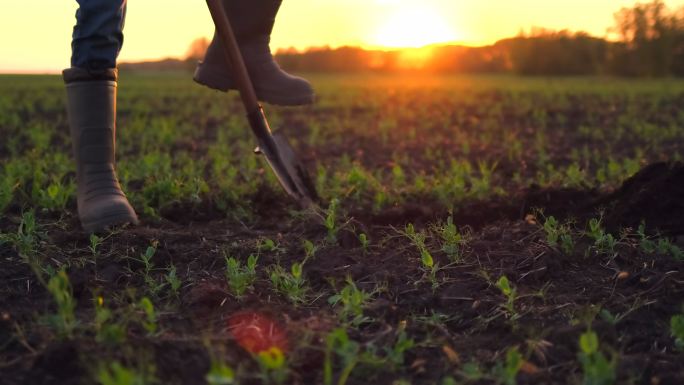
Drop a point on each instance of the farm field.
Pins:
(472, 230)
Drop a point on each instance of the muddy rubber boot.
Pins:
(91, 107)
(252, 22)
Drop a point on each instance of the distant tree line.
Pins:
(648, 40)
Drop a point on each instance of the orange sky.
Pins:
(36, 33)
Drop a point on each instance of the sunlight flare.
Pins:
(413, 27)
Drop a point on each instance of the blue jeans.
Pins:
(98, 34)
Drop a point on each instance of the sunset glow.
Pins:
(414, 27)
(39, 32)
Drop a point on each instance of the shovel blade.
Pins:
(290, 172)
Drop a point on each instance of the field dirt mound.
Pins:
(654, 195)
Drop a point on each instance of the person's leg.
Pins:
(91, 85)
(252, 23)
(98, 34)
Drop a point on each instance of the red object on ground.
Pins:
(256, 332)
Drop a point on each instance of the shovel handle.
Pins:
(234, 56)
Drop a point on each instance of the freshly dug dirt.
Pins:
(654, 195)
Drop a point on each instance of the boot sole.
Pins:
(286, 101)
(111, 220)
(210, 80)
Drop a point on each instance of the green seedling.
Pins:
(558, 236)
(352, 354)
(507, 372)
(665, 246)
(503, 372)
(596, 368)
(220, 374)
(380, 200)
(273, 366)
(268, 245)
(290, 284)
(614, 319)
(677, 331)
(452, 240)
(117, 374)
(352, 301)
(338, 343)
(309, 250)
(241, 278)
(661, 246)
(55, 196)
(64, 322)
(396, 353)
(7, 187)
(95, 242)
(398, 177)
(149, 322)
(429, 266)
(472, 372)
(25, 242)
(330, 221)
(611, 318)
(365, 242)
(173, 281)
(510, 292)
(646, 244)
(107, 330)
(604, 243)
(154, 287)
(435, 319)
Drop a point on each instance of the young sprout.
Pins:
(241, 278)
(64, 321)
(353, 300)
(153, 286)
(25, 242)
(268, 245)
(338, 343)
(330, 221)
(149, 323)
(429, 266)
(173, 281)
(677, 331)
(558, 236)
(309, 250)
(597, 369)
(95, 242)
(395, 354)
(107, 330)
(510, 292)
(273, 365)
(452, 240)
(290, 284)
(365, 242)
(507, 372)
(220, 374)
(116, 374)
(604, 243)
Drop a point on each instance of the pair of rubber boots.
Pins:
(91, 108)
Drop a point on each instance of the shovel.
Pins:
(274, 146)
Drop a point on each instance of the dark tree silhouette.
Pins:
(197, 49)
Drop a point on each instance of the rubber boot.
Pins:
(91, 108)
(252, 23)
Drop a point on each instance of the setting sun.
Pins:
(414, 27)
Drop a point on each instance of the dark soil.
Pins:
(560, 295)
(655, 196)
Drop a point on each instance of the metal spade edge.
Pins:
(279, 155)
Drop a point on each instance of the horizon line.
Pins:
(293, 49)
